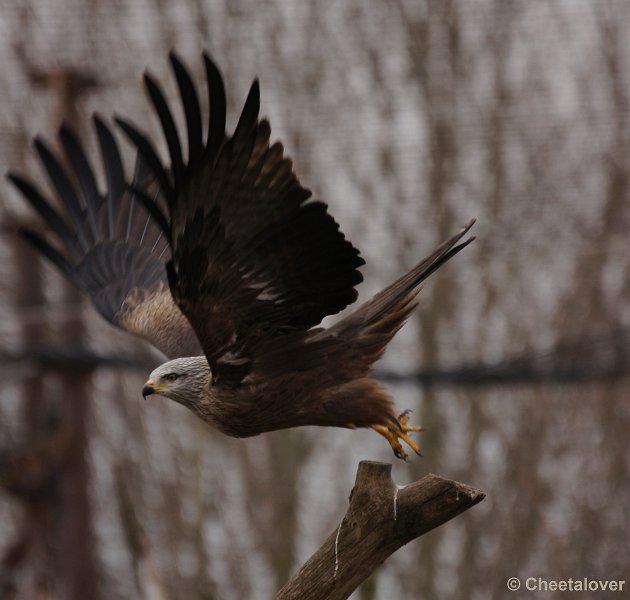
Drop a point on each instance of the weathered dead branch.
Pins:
(381, 518)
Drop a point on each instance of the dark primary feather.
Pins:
(111, 247)
(253, 257)
(188, 95)
(84, 174)
(114, 172)
(216, 109)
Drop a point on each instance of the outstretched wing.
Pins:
(253, 258)
(112, 247)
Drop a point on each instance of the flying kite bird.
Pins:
(225, 264)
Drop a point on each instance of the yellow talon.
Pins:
(392, 437)
(396, 432)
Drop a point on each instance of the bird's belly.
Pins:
(249, 412)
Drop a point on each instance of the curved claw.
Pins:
(400, 453)
(396, 432)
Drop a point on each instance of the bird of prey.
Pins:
(225, 263)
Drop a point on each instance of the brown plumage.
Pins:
(225, 263)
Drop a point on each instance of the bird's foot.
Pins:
(395, 432)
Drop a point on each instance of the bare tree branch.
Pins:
(381, 518)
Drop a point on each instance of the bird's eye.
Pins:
(171, 377)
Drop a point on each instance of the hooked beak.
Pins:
(150, 388)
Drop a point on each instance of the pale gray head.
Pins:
(181, 379)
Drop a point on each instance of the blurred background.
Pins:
(408, 117)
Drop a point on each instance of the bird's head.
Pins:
(181, 379)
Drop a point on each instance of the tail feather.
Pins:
(362, 336)
(405, 288)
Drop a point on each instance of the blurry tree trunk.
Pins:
(276, 533)
(381, 518)
(32, 541)
(148, 580)
(28, 478)
(435, 54)
(75, 556)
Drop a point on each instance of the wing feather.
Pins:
(65, 189)
(85, 176)
(113, 248)
(114, 172)
(190, 100)
(168, 125)
(217, 109)
(148, 153)
(47, 213)
(253, 257)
